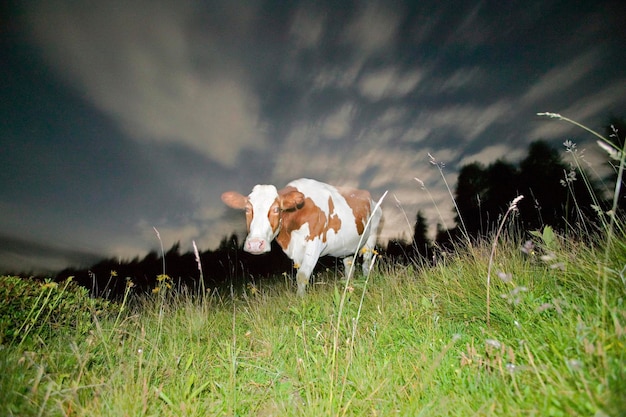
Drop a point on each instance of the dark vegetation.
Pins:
(482, 195)
(31, 309)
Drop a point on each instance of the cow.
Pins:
(309, 219)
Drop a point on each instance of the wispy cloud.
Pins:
(373, 28)
(467, 121)
(494, 152)
(388, 82)
(561, 78)
(463, 79)
(307, 27)
(602, 103)
(338, 124)
(138, 63)
(596, 106)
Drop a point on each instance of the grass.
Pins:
(417, 343)
(533, 328)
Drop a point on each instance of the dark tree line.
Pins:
(553, 195)
(418, 250)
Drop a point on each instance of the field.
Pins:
(407, 341)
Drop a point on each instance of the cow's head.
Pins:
(263, 209)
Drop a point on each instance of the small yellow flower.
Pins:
(113, 273)
(155, 290)
(296, 265)
(163, 277)
(252, 288)
(50, 285)
(364, 250)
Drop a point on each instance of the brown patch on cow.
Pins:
(273, 215)
(249, 216)
(308, 212)
(333, 222)
(290, 198)
(360, 201)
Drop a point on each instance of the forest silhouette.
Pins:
(483, 194)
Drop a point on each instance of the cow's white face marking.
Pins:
(263, 215)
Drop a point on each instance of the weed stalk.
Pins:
(512, 208)
(334, 363)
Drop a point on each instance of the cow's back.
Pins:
(345, 211)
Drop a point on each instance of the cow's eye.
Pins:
(248, 210)
(276, 210)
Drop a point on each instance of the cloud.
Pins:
(22, 255)
(584, 110)
(461, 79)
(307, 28)
(338, 124)
(467, 121)
(392, 116)
(388, 82)
(472, 30)
(492, 153)
(336, 76)
(374, 28)
(428, 194)
(600, 104)
(561, 78)
(138, 63)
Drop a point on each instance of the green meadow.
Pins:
(407, 341)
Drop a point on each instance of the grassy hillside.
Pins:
(405, 342)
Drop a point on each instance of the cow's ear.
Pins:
(234, 199)
(291, 200)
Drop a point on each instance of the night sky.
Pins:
(117, 116)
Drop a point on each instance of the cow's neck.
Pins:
(283, 238)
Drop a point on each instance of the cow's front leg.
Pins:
(303, 280)
(306, 265)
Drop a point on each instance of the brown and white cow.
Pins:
(309, 219)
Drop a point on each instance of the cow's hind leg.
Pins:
(367, 260)
(348, 266)
(369, 249)
(367, 253)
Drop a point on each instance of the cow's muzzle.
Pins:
(256, 246)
